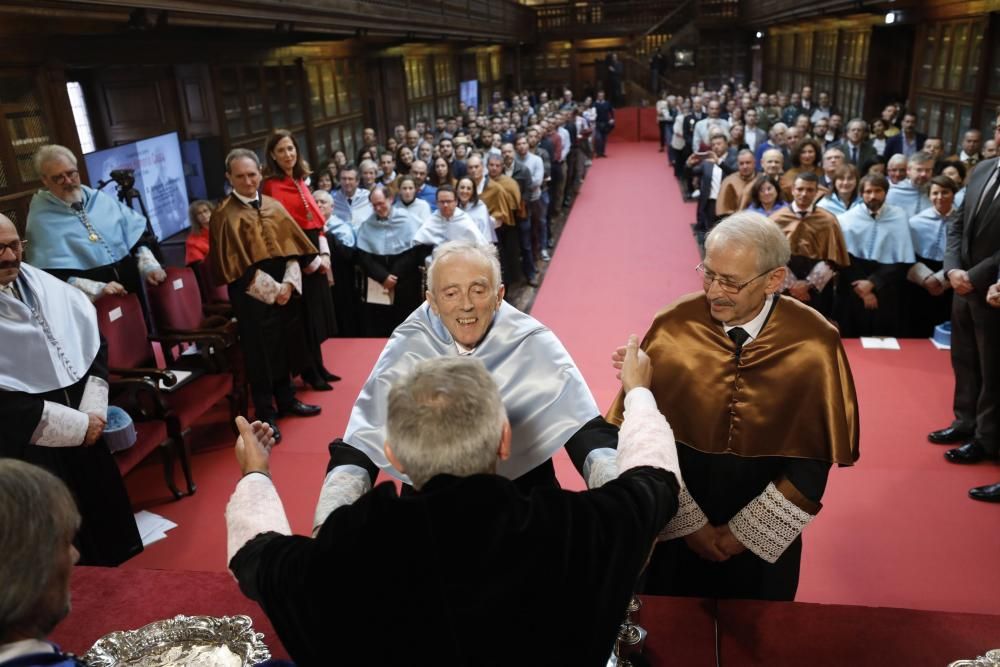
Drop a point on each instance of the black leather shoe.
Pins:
(970, 452)
(989, 493)
(270, 421)
(328, 376)
(946, 436)
(299, 409)
(319, 384)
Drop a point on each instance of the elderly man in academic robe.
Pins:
(549, 404)
(466, 557)
(54, 398)
(85, 236)
(257, 249)
(869, 302)
(736, 186)
(817, 244)
(910, 194)
(728, 366)
(508, 241)
(448, 223)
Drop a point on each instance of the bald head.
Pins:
(11, 251)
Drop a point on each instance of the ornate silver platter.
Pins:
(194, 641)
(991, 659)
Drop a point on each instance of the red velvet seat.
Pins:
(130, 356)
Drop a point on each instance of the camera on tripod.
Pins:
(124, 178)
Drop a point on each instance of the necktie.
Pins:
(986, 201)
(854, 154)
(739, 336)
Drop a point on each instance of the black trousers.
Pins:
(975, 358)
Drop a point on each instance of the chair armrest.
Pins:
(143, 397)
(168, 378)
(211, 346)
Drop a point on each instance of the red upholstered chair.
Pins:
(178, 313)
(130, 356)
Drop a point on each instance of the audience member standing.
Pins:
(287, 186)
(258, 251)
(971, 263)
(54, 401)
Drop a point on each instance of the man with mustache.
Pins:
(728, 366)
(84, 236)
(54, 399)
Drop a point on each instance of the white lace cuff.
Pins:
(293, 275)
(645, 438)
(324, 245)
(769, 524)
(254, 508)
(60, 426)
(92, 288)
(790, 279)
(314, 265)
(95, 398)
(600, 467)
(146, 261)
(263, 287)
(343, 485)
(820, 275)
(918, 273)
(688, 519)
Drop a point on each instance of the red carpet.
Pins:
(896, 530)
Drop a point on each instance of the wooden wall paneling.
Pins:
(136, 102)
(392, 98)
(196, 100)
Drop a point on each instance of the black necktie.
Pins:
(854, 154)
(77, 206)
(739, 336)
(255, 204)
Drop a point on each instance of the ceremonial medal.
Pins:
(93, 237)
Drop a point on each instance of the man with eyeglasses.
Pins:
(817, 245)
(84, 236)
(54, 398)
(759, 393)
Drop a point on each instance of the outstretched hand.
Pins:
(253, 447)
(636, 369)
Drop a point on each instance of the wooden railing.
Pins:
(496, 20)
(597, 16)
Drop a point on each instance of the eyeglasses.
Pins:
(65, 177)
(15, 247)
(728, 286)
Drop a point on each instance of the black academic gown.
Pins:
(346, 297)
(320, 319)
(850, 313)
(108, 535)
(923, 311)
(381, 320)
(488, 576)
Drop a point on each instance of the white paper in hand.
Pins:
(378, 294)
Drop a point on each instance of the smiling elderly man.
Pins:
(546, 398)
(729, 363)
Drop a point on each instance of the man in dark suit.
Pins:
(857, 151)
(712, 168)
(971, 263)
(908, 141)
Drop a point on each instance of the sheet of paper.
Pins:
(180, 375)
(876, 343)
(152, 527)
(378, 294)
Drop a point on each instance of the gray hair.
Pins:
(37, 517)
(835, 149)
(747, 151)
(445, 416)
(494, 156)
(898, 158)
(239, 154)
(323, 195)
(777, 127)
(858, 121)
(483, 252)
(368, 164)
(50, 153)
(920, 157)
(752, 230)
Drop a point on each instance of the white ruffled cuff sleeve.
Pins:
(600, 467)
(60, 426)
(688, 519)
(645, 438)
(146, 261)
(92, 288)
(770, 523)
(95, 398)
(254, 508)
(293, 275)
(343, 485)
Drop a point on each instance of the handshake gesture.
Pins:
(634, 367)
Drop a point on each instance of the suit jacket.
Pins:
(706, 211)
(976, 251)
(865, 152)
(757, 132)
(894, 144)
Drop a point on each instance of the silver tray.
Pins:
(202, 641)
